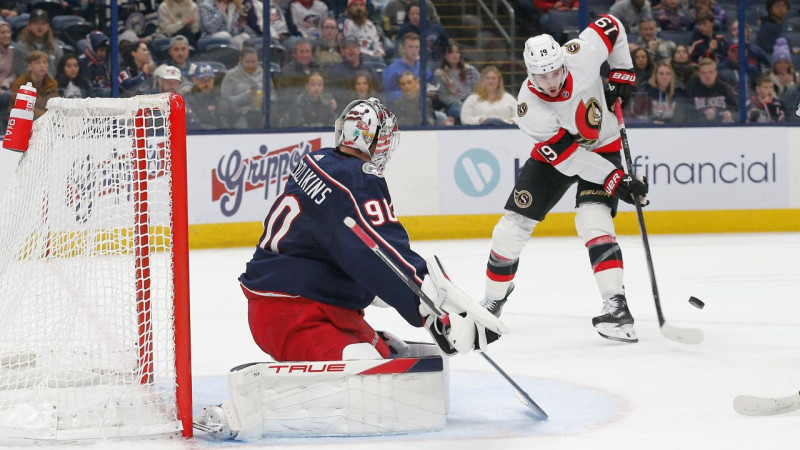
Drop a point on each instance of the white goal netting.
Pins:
(87, 324)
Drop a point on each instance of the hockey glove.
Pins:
(627, 188)
(620, 85)
(459, 333)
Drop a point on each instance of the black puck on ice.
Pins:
(696, 302)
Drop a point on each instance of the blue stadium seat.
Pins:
(17, 24)
(70, 29)
(678, 37)
(563, 21)
(223, 53)
(159, 48)
(205, 43)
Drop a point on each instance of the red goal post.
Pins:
(94, 274)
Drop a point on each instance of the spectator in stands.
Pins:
(293, 75)
(782, 70)
(456, 80)
(179, 55)
(763, 107)
(558, 5)
(409, 61)
(729, 69)
(490, 104)
(179, 17)
(168, 79)
(667, 101)
(94, 63)
(278, 26)
(755, 54)
(772, 24)
(713, 100)
(631, 12)
(305, 16)
(206, 109)
(355, 24)
(326, 52)
(706, 43)
(682, 65)
(223, 19)
(659, 49)
(37, 35)
(137, 72)
(71, 81)
(7, 73)
(11, 8)
(394, 15)
(243, 86)
(407, 107)
(364, 86)
(638, 104)
(46, 86)
(670, 16)
(311, 108)
(341, 76)
(435, 37)
(709, 6)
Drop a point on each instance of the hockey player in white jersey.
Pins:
(562, 105)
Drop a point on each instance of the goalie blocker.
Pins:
(352, 397)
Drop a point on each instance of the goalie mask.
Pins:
(543, 55)
(364, 123)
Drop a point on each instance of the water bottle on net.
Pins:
(20, 121)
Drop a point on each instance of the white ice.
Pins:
(655, 394)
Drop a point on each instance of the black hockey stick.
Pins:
(537, 412)
(683, 335)
(766, 406)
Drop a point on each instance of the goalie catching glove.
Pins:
(466, 323)
(626, 187)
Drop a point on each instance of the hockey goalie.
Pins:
(307, 285)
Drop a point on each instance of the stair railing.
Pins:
(510, 36)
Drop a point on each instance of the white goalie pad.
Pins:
(339, 398)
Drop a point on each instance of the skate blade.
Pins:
(621, 333)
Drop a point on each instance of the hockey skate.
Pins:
(214, 422)
(496, 306)
(615, 321)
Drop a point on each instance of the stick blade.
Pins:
(682, 335)
(764, 406)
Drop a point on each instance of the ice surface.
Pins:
(655, 394)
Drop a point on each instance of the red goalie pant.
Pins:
(299, 329)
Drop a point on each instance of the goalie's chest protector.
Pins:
(579, 109)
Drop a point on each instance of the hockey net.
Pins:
(94, 338)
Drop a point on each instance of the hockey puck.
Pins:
(696, 302)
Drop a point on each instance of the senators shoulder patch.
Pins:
(572, 47)
(522, 109)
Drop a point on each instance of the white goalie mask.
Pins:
(362, 123)
(542, 54)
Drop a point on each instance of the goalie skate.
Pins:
(214, 422)
(615, 321)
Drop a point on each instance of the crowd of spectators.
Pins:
(326, 53)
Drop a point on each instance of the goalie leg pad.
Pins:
(336, 398)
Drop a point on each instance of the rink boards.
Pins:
(454, 183)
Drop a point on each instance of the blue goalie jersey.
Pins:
(307, 250)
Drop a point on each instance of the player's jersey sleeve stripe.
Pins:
(556, 149)
(612, 147)
(607, 28)
(362, 221)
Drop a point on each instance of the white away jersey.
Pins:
(568, 128)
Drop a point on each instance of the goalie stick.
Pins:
(766, 406)
(683, 335)
(536, 411)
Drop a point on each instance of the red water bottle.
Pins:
(20, 121)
